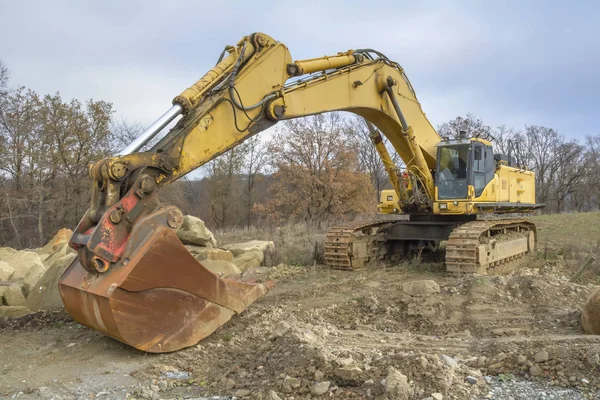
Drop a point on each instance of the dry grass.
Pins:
(569, 239)
(295, 244)
(566, 239)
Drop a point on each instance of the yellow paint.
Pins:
(213, 124)
(509, 185)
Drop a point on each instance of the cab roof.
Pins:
(464, 141)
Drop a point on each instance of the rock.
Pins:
(320, 388)
(482, 362)
(13, 295)
(294, 383)
(221, 268)
(471, 379)
(44, 294)
(592, 358)
(273, 396)
(535, 370)
(194, 231)
(541, 356)
(319, 376)
(209, 253)
(60, 252)
(590, 317)
(421, 288)
(437, 396)
(345, 362)
(242, 392)
(397, 386)
(14, 311)
(6, 271)
(249, 259)
(350, 373)
(28, 266)
(7, 252)
(253, 245)
(521, 359)
(59, 240)
(281, 328)
(229, 384)
(448, 361)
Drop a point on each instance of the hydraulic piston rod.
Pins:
(152, 130)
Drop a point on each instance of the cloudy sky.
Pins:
(510, 62)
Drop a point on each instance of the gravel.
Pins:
(523, 389)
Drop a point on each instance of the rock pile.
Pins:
(29, 278)
(229, 260)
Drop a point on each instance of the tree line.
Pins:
(319, 170)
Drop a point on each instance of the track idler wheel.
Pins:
(157, 298)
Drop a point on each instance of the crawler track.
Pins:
(478, 246)
(339, 244)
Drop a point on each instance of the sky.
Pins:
(515, 63)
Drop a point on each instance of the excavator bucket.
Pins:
(158, 298)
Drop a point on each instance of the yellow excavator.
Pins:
(135, 281)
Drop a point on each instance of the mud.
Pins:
(346, 328)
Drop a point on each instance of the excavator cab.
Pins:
(463, 163)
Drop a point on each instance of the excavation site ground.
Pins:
(406, 331)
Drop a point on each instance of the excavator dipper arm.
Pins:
(133, 279)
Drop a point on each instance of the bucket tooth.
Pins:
(160, 299)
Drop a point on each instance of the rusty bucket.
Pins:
(157, 298)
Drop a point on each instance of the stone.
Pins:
(60, 252)
(471, 379)
(6, 271)
(590, 316)
(319, 376)
(28, 267)
(194, 231)
(229, 384)
(59, 240)
(241, 392)
(14, 311)
(397, 386)
(44, 294)
(320, 388)
(249, 259)
(281, 328)
(7, 252)
(13, 296)
(252, 245)
(209, 253)
(592, 358)
(421, 288)
(350, 373)
(448, 361)
(535, 370)
(221, 268)
(541, 356)
(437, 396)
(294, 383)
(273, 396)
(521, 359)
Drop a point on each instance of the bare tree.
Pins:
(256, 157)
(368, 158)
(317, 174)
(4, 76)
(471, 124)
(223, 172)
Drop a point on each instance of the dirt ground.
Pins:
(324, 333)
